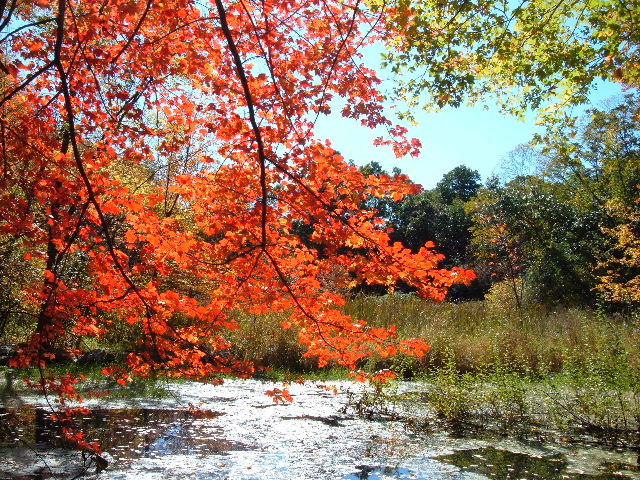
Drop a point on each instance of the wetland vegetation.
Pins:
(557, 380)
(176, 242)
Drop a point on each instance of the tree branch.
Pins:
(262, 157)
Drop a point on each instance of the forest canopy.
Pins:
(560, 222)
(536, 54)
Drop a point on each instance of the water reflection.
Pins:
(126, 434)
(366, 472)
(505, 465)
(245, 437)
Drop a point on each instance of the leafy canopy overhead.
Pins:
(524, 54)
(155, 158)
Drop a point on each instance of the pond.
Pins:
(240, 434)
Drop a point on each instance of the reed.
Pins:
(533, 339)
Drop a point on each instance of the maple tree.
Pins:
(155, 156)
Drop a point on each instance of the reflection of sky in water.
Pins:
(249, 438)
(385, 473)
(505, 465)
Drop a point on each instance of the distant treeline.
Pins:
(558, 225)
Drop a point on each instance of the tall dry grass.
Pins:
(480, 333)
(475, 334)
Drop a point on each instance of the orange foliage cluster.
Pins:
(167, 148)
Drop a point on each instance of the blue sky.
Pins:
(473, 136)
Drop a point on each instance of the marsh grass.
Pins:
(596, 397)
(534, 340)
(474, 335)
(489, 364)
(261, 339)
(491, 367)
(521, 372)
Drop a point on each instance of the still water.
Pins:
(242, 435)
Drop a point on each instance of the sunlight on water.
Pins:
(240, 434)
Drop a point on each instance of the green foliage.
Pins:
(531, 373)
(598, 392)
(438, 216)
(452, 395)
(527, 228)
(496, 395)
(597, 158)
(414, 220)
(383, 205)
(526, 54)
(504, 398)
(547, 230)
(460, 183)
(544, 231)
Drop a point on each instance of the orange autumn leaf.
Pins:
(177, 171)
